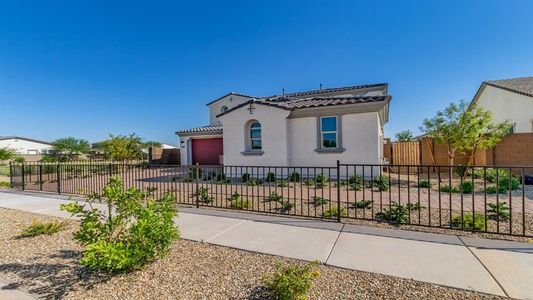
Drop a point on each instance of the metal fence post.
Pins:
(23, 179)
(40, 177)
(338, 191)
(11, 174)
(58, 175)
(196, 175)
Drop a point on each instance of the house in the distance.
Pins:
(311, 128)
(25, 146)
(508, 100)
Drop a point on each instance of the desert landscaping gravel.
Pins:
(47, 266)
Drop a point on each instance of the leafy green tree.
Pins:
(7, 154)
(69, 148)
(149, 144)
(404, 136)
(121, 147)
(464, 129)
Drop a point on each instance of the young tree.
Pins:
(7, 154)
(70, 147)
(404, 136)
(464, 129)
(121, 147)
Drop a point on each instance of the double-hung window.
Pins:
(329, 134)
(255, 136)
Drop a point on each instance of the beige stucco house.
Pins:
(508, 100)
(25, 146)
(311, 128)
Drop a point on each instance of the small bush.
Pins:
(334, 213)
(4, 184)
(396, 213)
(203, 195)
(414, 207)
(355, 182)
(283, 183)
(252, 182)
(292, 282)
(498, 211)
(381, 183)
(138, 229)
(286, 206)
(425, 184)
(467, 187)
(245, 177)
(270, 177)
(318, 201)
(469, 221)
(491, 189)
(195, 172)
(320, 181)
(274, 197)
(495, 174)
(237, 202)
(295, 177)
(221, 178)
(505, 184)
(460, 170)
(449, 189)
(39, 228)
(363, 204)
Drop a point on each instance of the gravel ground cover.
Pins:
(48, 267)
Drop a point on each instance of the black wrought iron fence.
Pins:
(476, 198)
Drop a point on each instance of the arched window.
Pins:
(255, 136)
(224, 109)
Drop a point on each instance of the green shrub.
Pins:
(498, 211)
(467, 187)
(363, 204)
(334, 212)
(505, 184)
(381, 183)
(270, 177)
(295, 177)
(396, 213)
(221, 178)
(286, 206)
(318, 201)
(460, 170)
(414, 207)
(425, 184)
(237, 202)
(355, 182)
(495, 174)
(195, 172)
(245, 177)
(469, 221)
(449, 189)
(283, 183)
(292, 282)
(320, 181)
(274, 197)
(138, 229)
(39, 228)
(5, 184)
(202, 194)
(491, 189)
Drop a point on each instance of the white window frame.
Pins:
(251, 139)
(323, 132)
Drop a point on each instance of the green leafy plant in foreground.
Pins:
(334, 212)
(355, 182)
(396, 213)
(498, 211)
(136, 228)
(363, 204)
(425, 184)
(469, 221)
(292, 282)
(449, 189)
(237, 202)
(317, 200)
(381, 183)
(202, 194)
(4, 184)
(39, 228)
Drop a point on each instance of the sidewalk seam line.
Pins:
(334, 244)
(224, 231)
(485, 267)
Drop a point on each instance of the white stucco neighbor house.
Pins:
(311, 128)
(508, 100)
(24, 145)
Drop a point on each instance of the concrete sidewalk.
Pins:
(489, 266)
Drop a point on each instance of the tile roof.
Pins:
(522, 85)
(291, 103)
(333, 90)
(228, 94)
(202, 129)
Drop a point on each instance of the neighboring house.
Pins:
(508, 100)
(25, 146)
(312, 128)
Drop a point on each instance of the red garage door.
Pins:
(206, 151)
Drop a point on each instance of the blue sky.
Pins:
(90, 68)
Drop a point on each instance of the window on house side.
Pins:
(255, 136)
(328, 132)
(223, 109)
(512, 128)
